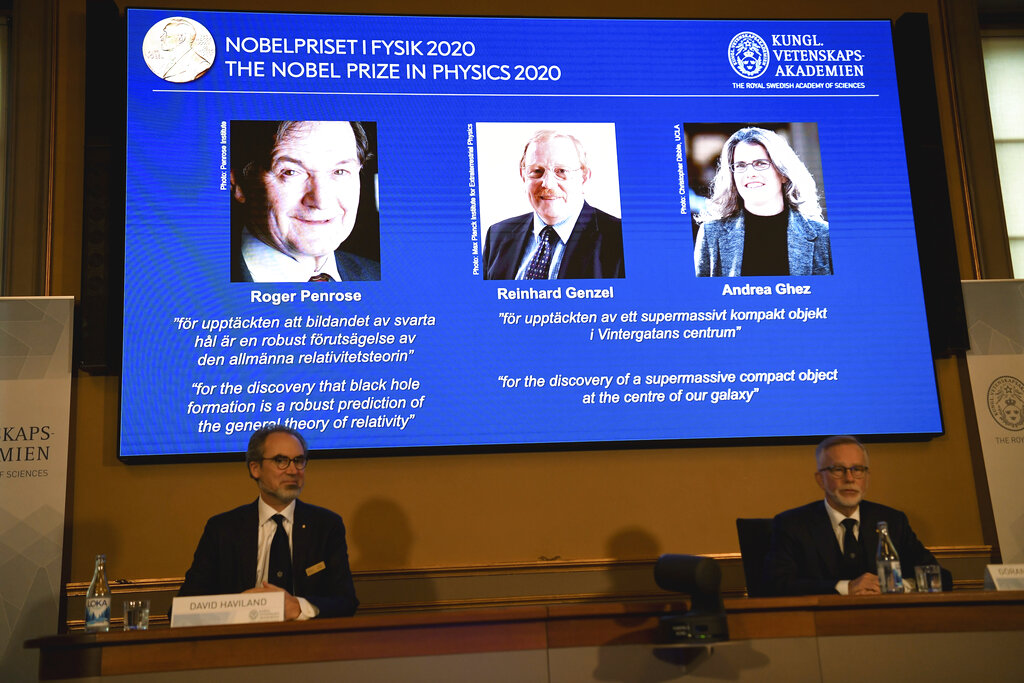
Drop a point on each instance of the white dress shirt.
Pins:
(267, 264)
(837, 517)
(267, 529)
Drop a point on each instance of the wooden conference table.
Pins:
(964, 635)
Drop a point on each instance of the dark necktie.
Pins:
(541, 261)
(852, 565)
(279, 571)
(322, 277)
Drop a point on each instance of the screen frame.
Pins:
(540, 446)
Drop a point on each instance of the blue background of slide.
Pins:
(646, 77)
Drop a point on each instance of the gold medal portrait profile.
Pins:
(178, 49)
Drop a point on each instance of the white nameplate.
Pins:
(234, 608)
(1004, 577)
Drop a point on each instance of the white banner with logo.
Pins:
(995, 320)
(35, 403)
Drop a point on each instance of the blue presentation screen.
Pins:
(424, 233)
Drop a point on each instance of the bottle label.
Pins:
(890, 576)
(97, 613)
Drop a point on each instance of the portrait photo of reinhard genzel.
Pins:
(563, 236)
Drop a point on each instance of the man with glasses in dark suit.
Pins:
(829, 546)
(277, 543)
(296, 188)
(564, 237)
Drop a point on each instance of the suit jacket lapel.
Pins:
(801, 249)
(568, 267)
(248, 541)
(300, 544)
(730, 246)
(825, 541)
(514, 256)
(869, 519)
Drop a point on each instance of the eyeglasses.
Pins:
(838, 471)
(538, 172)
(758, 164)
(283, 461)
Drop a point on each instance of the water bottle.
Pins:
(890, 576)
(97, 599)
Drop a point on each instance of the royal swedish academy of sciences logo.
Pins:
(1006, 402)
(748, 54)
